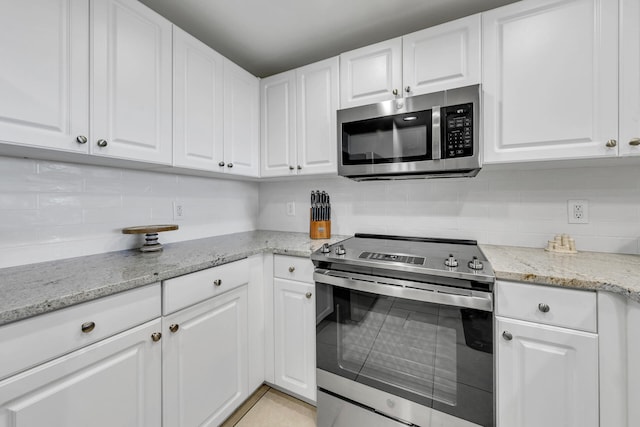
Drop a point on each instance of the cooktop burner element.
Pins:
(416, 258)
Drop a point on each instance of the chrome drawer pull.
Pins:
(156, 336)
(292, 269)
(507, 335)
(217, 282)
(308, 295)
(174, 328)
(543, 307)
(88, 327)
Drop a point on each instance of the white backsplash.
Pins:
(504, 207)
(51, 210)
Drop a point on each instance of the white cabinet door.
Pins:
(316, 109)
(442, 57)
(546, 376)
(278, 124)
(295, 343)
(205, 361)
(371, 74)
(131, 87)
(44, 76)
(629, 78)
(550, 78)
(115, 382)
(198, 101)
(241, 121)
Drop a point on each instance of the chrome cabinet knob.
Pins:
(292, 269)
(308, 295)
(102, 143)
(81, 139)
(291, 168)
(217, 282)
(395, 92)
(611, 143)
(507, 335)
(299, 167)
(174, 328)
(229, 165)
(87, 327)
(156, 336)
(221, 164)
(634, 142)
(407, 89)
(543, 307)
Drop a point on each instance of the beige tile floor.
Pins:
(268, 407)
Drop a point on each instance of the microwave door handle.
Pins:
(436, 152)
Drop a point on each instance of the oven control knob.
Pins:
(340, 250)
(476, 264)
(451, 261)
(325, 249)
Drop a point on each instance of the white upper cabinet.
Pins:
(278, 124)
(371, 74)
(442, 57)
(241, 121)
(630, 78)
(550, 80)
(131, 107)
(44, 77)
(198, 101)
(299, 120)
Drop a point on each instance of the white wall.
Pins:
(51, 210)
(505, 207)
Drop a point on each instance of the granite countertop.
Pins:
(597, 271)
(34, 289)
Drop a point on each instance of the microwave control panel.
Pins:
(457, 131)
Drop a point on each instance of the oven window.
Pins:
(438, 356)
(390, 139)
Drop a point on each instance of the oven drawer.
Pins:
(293, 268)
(341, 413)
(568, 308)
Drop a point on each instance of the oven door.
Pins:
(423, 348)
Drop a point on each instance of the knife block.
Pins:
(319, 229)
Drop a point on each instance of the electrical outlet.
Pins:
(578, 211)
(291, 208)
(178, 211)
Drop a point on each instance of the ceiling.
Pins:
(269, 36)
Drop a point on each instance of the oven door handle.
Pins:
(407, 289)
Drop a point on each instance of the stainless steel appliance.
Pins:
(404, 333)
(432, 135)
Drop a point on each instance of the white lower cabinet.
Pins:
(114, 382)
(291, 327)
(295, 321)
(205, 361)
(547, 374)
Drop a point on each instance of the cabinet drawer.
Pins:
(293, 268)
(568, 308)
(33, 341)
(192, 288)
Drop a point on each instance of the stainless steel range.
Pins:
(404, 333)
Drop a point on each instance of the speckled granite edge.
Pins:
(34, 289)
(617, 273)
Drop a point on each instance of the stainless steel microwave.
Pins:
(435, 135)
